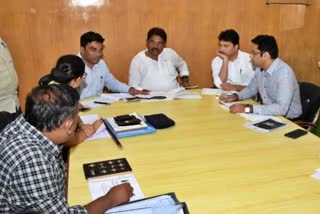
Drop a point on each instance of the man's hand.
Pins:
(132, 91)
(237, 108)
(231, 87)
(88, 129)
(185, 84)
(228, 87)
(96, 124)
(222, 56)
(116, 195)
(185, 81)
(228, 98)
(120, 194)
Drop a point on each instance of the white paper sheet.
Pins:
(100, 186)
(101, 132)
(256, 117)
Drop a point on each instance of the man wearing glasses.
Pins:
(231, 69)
(274, 80)
(155, 69)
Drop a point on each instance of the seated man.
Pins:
(9, 103)
(155, 69)
(98, 74)
(274, 80)
(231, 69)
(32, 177)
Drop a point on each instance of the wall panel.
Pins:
(38, 32)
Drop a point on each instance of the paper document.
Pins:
(316, 175)
(177, 93)
(256, 117)
(100, 186)
(115, 96)
(101, 132)
(98, 102)
(215, 91)
(226, 105)
(157, 205)
(266, 125)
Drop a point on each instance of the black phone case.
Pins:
(124, 117)
(296, 133)
(134, 121)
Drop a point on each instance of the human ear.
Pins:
(68, 124)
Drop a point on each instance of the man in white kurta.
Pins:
(231, 69)
(157, 67)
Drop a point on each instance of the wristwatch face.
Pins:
(247, 109)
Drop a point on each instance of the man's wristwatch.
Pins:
(247, 109)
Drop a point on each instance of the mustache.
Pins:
(155, 49)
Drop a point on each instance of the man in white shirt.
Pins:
(98, 73)
(231, 69)
(9, 103)
(155, 69)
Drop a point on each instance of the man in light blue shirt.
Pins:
(98, 73)
(274, 80)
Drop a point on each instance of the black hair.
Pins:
(47, 106)
(267, 43)
(68, 67)
(90, 37)
(229, 35)
(157, 31)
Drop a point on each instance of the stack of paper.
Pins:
(162, 204)
(129, 130)
(215, 91)
(105, 99)
(177, 93)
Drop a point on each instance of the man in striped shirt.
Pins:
(274, 80)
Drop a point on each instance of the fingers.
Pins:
(237, 108)
(88, 130)
(96, 125)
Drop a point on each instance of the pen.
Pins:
(227, 96)
(114, 137)
(100, 102)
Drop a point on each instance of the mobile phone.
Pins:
(296, 133)
(134, 121)
(124, 117)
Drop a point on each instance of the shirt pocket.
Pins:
(169, 68)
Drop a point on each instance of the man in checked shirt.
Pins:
(31, 167)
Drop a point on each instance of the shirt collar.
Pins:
(273, 66)
(47, 144)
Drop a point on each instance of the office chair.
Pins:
(310, 100)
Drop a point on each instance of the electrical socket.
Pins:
(318, 64)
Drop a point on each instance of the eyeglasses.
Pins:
(255, 53)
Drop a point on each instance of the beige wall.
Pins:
(38, 32)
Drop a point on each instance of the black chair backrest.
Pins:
(310, 100)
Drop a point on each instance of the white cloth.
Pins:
(240, 71)
(99, 76)
(8, 81)
(156, 75)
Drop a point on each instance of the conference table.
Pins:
(209, 159)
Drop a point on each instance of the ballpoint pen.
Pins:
(113, 136)
(100, 102)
